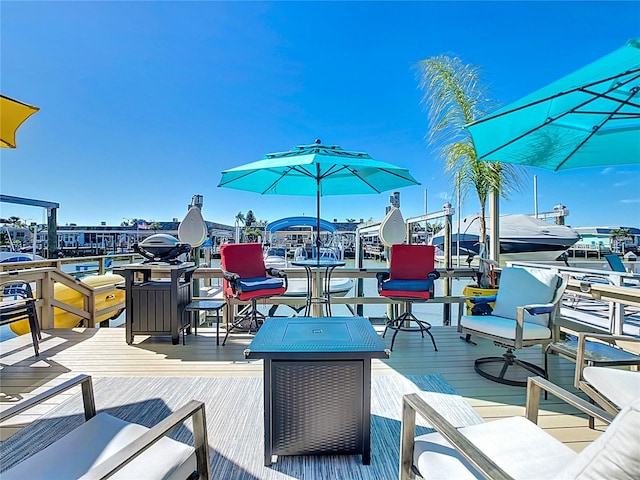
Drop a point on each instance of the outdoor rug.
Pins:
(234, 412)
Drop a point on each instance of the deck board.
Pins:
(104, 353)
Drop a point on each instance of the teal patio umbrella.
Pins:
(317, 170)
(590, 117)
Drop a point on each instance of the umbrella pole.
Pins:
(318, 211)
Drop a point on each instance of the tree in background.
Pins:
(434, 228)
(16, 222)
(154, 225)
(454, 97)
(250, 219)
(240, 222)
(130, 222)
(619, 236)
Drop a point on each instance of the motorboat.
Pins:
(276, 254)
(276, 257)
(522, 238)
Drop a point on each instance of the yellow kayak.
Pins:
(62, 293)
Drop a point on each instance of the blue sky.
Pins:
(143, 104)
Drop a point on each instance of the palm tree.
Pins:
(455, 97)
(16, 222)
(240, 221)
(154, 225)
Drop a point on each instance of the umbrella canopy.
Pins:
(317, 170)
(12, 114)
(590, 117)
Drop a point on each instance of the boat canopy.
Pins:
(284, 223)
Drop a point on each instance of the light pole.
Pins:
(34, 240)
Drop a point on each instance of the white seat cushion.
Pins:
(621, 387)
(504, 327)
(520, 287)
(96, 440)
(614, 454)
(518, 446)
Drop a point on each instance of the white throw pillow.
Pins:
(520, 287)
(614, 454)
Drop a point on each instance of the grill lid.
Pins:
(161, 248)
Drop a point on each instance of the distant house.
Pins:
(599, 238)
(75, 240)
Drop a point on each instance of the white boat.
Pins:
(522, 238)
(276, 255)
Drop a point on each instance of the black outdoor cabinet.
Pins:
(156, 297)
(317, 384)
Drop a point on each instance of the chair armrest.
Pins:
(533, 309)
(275, 272)
(539, 308)
(535, 385)
(582, 342)
(412, 404)
(230, 276)
(124, 456)
(462, 305)
(87, 398)
(382, 277)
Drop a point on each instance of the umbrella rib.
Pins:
(567, 92)
(596, 128)
(354, 172)
(222, 184)
(619, 115)
(549, 120)
(284, 174)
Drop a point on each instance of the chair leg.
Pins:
(398, 325)
(507, 360)
(34, 326)
(251, 314)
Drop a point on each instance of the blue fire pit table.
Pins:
(317, 385)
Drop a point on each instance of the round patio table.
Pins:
(324, 297)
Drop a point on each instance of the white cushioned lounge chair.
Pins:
(611, 388)
(516, 448)
(108, 447)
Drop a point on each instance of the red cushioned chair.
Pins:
(246, 278)
(410, 279)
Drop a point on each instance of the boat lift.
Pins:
(52, 218)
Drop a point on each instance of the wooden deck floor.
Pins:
(104, 353)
